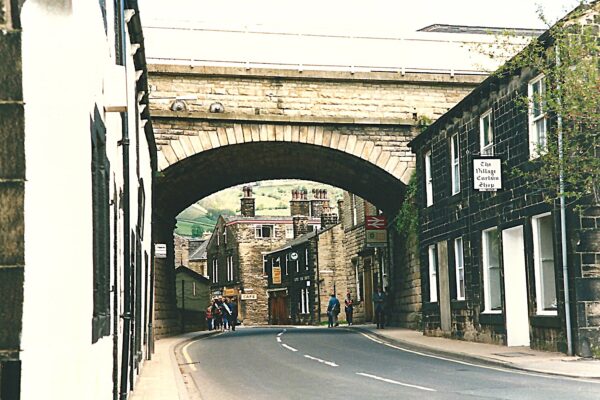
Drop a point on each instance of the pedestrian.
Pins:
(379, 302)
(333, 309)
(234, 314)
(216, 313)
(225, 313)
(209, 317)
(349, 307)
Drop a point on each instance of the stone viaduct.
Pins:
(216, 127)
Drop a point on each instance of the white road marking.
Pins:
(396, 382)
(330, 363)
(278, 339)
(282, 332)
(187, 357)
(288, 347)
(507, 370)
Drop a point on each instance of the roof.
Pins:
(194, 274)
(264, 219)
(480, 30)
(200, 252)
(299, 240)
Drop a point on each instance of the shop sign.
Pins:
(249, 296)
(487, 174)
(276, 275)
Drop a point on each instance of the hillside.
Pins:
(272, 198)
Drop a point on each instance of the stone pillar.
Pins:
(299, 205)
(328, 219)
(247, 206)
(300, 225)
(165, 302)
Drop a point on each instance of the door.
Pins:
(279, 312)
(444, 284)
(515, 287)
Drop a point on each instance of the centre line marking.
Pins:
(330, 363)
(282, 332)
(288, 347)
(396, 382)
(278, 339)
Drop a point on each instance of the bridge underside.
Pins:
(198, 176)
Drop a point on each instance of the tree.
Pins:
(197, 230)
(568, 57)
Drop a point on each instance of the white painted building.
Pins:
(88, 248)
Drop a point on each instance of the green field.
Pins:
(272, 198)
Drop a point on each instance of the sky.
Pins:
(357, 17)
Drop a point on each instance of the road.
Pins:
(320, 363)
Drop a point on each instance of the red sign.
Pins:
(376, 222)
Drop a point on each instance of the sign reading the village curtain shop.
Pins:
(487, 174)
(276, 275)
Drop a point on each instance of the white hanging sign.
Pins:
(487, 174)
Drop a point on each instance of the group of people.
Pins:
(333, 308)
(221, 314)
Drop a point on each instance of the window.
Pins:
(353, 206)
(194, 289)
(537, 116)
(215, 271)
(218, 237)
(306, 259)
(229, 268)
(287, 260)
(289, 232)
(487, 134)
(264, 265)
(543, 258)
(304, 301)
(432, 274)
(428, 179)
(459, 265)
(264, 231)
(100, 169)
(224, 235)
(491, 271)
(455, 163)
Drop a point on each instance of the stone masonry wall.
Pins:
(333, 268)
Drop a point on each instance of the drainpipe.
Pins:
(563, 221)
(125, 356)
(318, 280)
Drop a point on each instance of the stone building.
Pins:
(190, 252)
(235, 253)
(192, 292)
(491, 261)
(305, 271)
(77, 164)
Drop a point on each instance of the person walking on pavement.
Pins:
(349, 307)
(209, 317)
(379, 302)
(234, 314)
(333, 309)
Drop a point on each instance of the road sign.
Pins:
(376, 222)
(376, 238)
(160, 250)
(294, 256)
(249, 296)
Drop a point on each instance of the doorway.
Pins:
(278, 307)
(515, 287)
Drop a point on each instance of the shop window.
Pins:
(432, 274)
(491, 271)
(459, 265)
(543, 257)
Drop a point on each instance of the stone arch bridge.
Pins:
(216, 127)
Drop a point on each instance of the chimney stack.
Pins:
(247, 208)
(299, 205)
(328, 219)
(300, 223)
(319, 203)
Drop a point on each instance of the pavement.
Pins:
(160, 378)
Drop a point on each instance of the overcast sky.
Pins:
(357, 16)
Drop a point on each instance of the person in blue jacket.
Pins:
(333, 309)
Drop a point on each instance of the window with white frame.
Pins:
(432, 274)
(354, 212)
(218, 237)
(537, 116)
(459, 265)
(224, 235)
(289, 232)
(265, 261)
(287, 260)
(264, 231)
(306, 258)
(486, 134)
(491, 271)
(229, 268)
(455, 163)
(304, 301)
(215, 271)
(543, 259)
(428, 179)
(194, 289)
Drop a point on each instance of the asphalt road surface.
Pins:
(321, 363)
